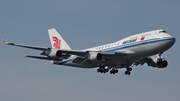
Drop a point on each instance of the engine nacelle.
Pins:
(155, 62)
(55, 54)
(163, 64)
(94, 56)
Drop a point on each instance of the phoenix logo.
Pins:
(57, 42)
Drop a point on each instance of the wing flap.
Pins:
(81, 60)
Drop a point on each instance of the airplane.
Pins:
(131, 51)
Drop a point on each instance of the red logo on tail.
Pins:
(57, 42)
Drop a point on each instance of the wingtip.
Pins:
(4, 41)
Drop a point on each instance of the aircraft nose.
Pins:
(168, 36)
(173, 39)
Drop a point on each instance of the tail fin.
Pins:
(56, 40)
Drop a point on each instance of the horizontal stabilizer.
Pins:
(44, 58)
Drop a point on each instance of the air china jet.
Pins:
(131, 51)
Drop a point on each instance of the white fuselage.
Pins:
(139, 45)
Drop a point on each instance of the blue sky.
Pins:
(83, 24)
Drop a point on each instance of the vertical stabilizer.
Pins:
(56, 40)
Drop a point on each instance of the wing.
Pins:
(25, 46)
(82, 56)
(44, 49)
(86, 57)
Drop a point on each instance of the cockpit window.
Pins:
(162, 32)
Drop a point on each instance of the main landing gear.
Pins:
(113, 71)
(102, 69)
(128, 70)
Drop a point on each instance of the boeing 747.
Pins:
(131, 51)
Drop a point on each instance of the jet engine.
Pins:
(94, 56)
(55, 54)
(158, 62)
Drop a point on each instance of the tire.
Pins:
(130, 69)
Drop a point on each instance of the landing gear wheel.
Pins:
(127, 73)
(102, 71)
(113, 71)
(130, 69)
(106, 70)
(98, 70)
